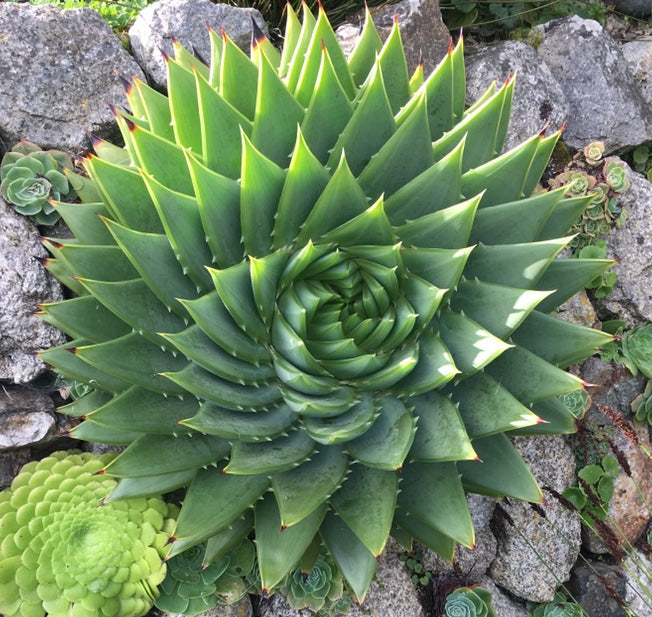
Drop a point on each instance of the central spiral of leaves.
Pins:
(346, 320)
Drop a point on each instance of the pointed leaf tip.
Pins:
(257, 34)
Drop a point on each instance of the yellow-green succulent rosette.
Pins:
(314, 292)
(64, 553)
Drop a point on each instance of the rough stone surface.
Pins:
(502, 604)
(631, 246)
(10, 464)
(472, 563)
(26, 417)
(639, 583)
(613, 387)
(186, 21)
(425, 37)
(605, 102)
(242, 608)
(538, 98)
(59, 72)
(579, 310)
(391, 593)
(23, 284)
(593, 586)
(535, 542)
(638, 55)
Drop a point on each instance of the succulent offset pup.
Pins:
(308, 282)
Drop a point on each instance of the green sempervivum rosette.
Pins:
(64, 553)
(637, 350)
(191, 586)
(469, 602)
(31, 177)
(559, 607)
(309, 278)
(320, 588)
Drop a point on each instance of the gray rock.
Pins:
(186, 21)
(475, 562)
(638, 577)
(24, 283)
(502, 604)
(538, 98)
(631, 247)
(10, 464)
(537, 546)
(599, 589)
(26, 417)
(579, 310)
(613, 388)
(59, 71)
(391, 593)
(242, 608)
(638, 55)
(605, 102)
(425, 37)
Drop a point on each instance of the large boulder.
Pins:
(605, 102)
(24, 283)
(425, 37)
(539, 101)
(639, 58)
(59, 73)
(187, 21)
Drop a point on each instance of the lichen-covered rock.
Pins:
(59, 72)
(605, 102)
(186, 21)
(537, 546)
(538, 98)
(631, 247)
(24, 284)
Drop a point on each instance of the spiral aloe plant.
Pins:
(307, 279)
(63, 553)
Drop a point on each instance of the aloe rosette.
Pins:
(307, 280)
(65, 554)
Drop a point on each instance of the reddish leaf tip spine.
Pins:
(450, 46)
(170, 540)
(99, 472)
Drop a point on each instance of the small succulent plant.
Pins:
(636, 347)
(593, 153)
(588, 174)
(191, 586)
(559, 607)
(320, 589)
(604, 282)
(642, 406)
(306, 277)
(31, 177)
(469, 602)
(64, 553)
(615, 175)
(578, 402)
